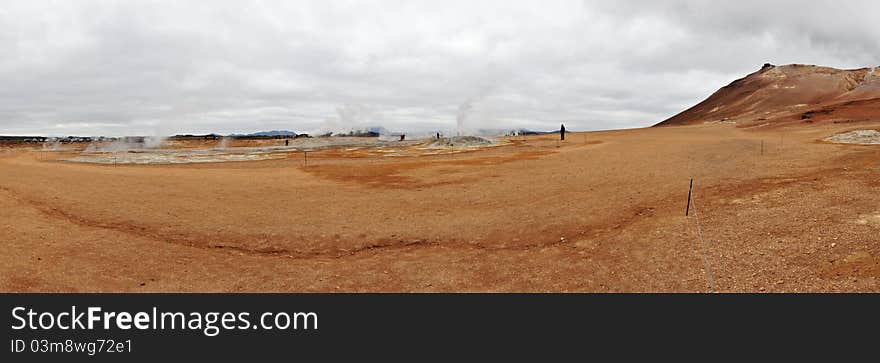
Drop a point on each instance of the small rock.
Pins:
(143, 284)
(761, 288)
(780, 282)
(833, 244)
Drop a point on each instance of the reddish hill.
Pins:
(790, 94)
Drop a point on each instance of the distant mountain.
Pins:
(493, 132)
(533, 132)
(378, 130)
(373, 131)
(790, 94)
(272, 133)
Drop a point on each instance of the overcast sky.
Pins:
(164, 67)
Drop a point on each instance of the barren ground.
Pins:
(602, 211)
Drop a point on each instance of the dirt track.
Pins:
(602, 211)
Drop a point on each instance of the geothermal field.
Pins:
(785, 171)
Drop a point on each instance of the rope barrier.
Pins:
(708, 268)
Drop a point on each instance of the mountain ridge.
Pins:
(789, 93)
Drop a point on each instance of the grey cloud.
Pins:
(146, 67)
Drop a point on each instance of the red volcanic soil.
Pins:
(601, 211)
(776, 209)
(790, 94)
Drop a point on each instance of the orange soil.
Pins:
(603, 211)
